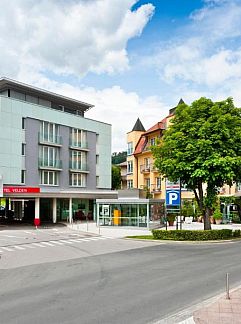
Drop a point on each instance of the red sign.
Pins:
(20, 190)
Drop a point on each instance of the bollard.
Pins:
(227, 286)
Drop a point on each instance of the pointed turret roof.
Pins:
(180, 102)
(172, 110)
(138, 127)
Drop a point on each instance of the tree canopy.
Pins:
(116, 177)
(202, 147)
(119, 157)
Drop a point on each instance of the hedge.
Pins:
(199, 235)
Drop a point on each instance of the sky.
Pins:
(129, 58)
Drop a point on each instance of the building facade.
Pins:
(142, 172)
(54, 162)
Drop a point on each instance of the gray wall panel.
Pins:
(32, 152)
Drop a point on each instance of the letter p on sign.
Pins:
(172, 197)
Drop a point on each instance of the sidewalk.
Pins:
(223, 311)
(120, 232)
(111, 231)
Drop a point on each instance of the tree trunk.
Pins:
(206, 219)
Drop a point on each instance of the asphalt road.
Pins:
(139, 285)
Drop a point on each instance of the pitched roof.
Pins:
(172, 110)
(140, 146)
(138, 127)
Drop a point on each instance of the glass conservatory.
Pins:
(148, 213)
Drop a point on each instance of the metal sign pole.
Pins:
(180, 206)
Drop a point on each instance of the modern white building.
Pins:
(54, 162)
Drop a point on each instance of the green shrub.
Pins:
(189, 235)
(236, 233)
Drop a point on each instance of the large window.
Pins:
(49, 157)
(78, 138)
(129, 184)
(158, 183)
(77, 180)
(78, 160)
(50, 178)
(49, 132)
(147, 183)
(129, 166)
(130, 148)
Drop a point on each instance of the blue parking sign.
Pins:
(172, 197)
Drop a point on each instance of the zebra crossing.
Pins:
(52, 243)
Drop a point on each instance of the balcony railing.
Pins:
(77, 167)
(50, 164)
(78, 145)
(50, 139)
(155, 188)
(145, 168)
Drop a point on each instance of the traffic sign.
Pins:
(173, 197)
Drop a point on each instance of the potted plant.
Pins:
(171, 218)
(218, 216)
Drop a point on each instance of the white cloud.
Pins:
(207, 58)
(68, 37)
(117, 107)
(112, 105)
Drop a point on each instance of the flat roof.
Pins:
(6, 83)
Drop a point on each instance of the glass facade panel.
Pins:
(149, 215)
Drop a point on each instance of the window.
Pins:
(49, 132)
(153, 141)
(97, 159)
(158, 183)
(50, 178)
(130, 148)
(129, 166)
(77, 180)
(238, 186)
(97, 181)
(23, 123)
(23, 149)
(23, 173)
(78, 160)
(49, 156)
(129, 184)
(147, 163)
(78, 138)
(147, 182)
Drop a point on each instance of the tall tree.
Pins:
(119, 157)
(202, 147)
(116, 177)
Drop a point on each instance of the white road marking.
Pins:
(56, 242)
(6, 249)
(46, 243)
(65, 241)
(30, 246)
(40, 245)
(75, 241)
(18, 247)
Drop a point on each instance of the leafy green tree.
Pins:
(202, 147)
(119, 157)
(116, 177)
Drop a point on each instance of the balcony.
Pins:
(75, 145)
(50, 164)
(154, 168)
(145, 168)
(156, 188)
(47, 139)
(78, 167)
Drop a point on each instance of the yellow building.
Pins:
(141, 172)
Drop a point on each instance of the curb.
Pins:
(186, 316)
